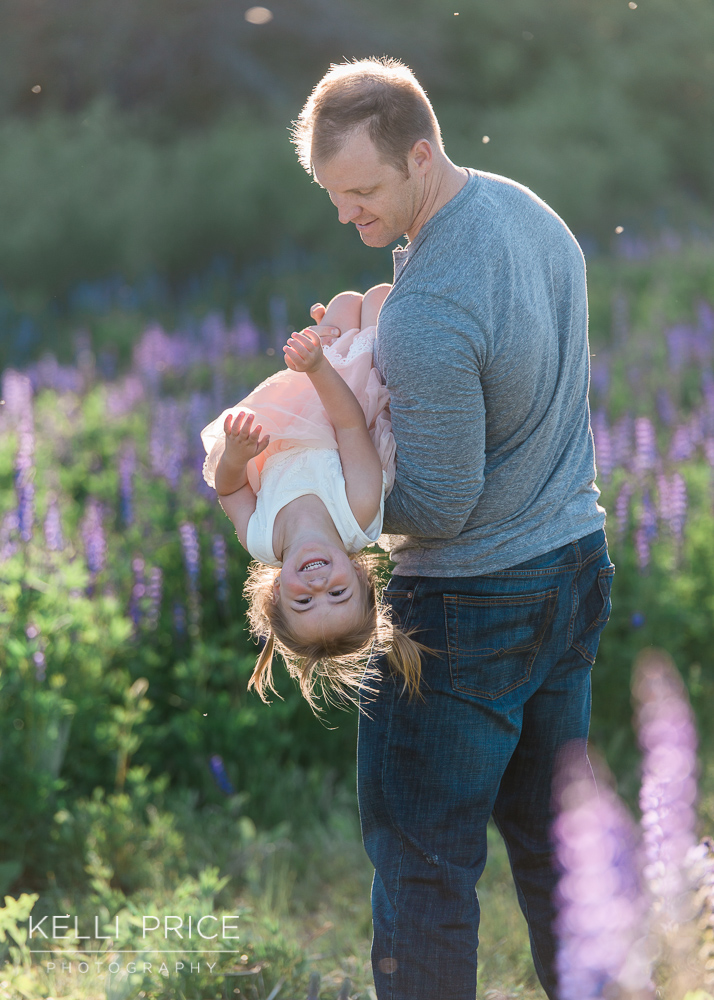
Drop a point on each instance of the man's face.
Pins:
(379, 199)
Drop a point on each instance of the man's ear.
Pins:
(421, 157)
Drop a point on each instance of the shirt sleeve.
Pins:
(431, 353)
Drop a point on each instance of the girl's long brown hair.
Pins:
(336, 667)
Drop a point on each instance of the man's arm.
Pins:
(431, 354)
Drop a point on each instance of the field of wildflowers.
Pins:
(139, 777)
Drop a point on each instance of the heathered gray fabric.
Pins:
(483, 345)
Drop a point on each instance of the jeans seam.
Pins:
(393, 935)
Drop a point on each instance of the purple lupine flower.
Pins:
(665, 726)
(213, 338)
(678, 342)
(665, 407)
(708, 394)
(124, 396)
(48, 373)
(154, 593)
(672, 502)
(17, 395)
(600, 375)
(153, 354)
(603, 445)
(646, 531)
(191, 554)
(678, 505)
(244, 338)
(54, 539)
(179, 614)
(645, 446)
(24, 484)
(622, 509)
(95, 546)
(218, 771)
(138, 590)
(8, 532)
(709, 450)
(664, 507)
(621, 438)
(220, 559)
(682, 446)
(167, 446)
(601, 906)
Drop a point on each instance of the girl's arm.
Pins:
(361, 465)
(243, 442)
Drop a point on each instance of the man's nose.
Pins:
(346, 212)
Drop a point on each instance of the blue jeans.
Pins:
(506, 689)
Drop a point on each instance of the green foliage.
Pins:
(129, 164)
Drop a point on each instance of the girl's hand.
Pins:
(303, 352)
(243, 441)
(327, 334)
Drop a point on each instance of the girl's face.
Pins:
(321, 593)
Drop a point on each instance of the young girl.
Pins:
(301, 467)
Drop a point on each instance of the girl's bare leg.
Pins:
(372, 303)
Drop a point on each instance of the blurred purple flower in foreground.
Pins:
(601, 906)
(667, 736)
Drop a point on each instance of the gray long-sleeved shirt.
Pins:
(482, 343)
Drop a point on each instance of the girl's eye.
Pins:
(336, 593)
(303, 600)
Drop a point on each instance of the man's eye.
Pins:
(336, 593)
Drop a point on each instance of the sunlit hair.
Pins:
(382, 94)
(334, 667)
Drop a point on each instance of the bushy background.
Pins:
(158, 241)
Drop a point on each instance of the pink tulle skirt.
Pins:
(290, 411)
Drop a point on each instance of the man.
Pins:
(502, 566)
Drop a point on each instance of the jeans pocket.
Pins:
(492, 641)
(594, 609)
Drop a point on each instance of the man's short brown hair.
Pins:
(381, 94)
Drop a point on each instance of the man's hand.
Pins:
(303, 352)
(243, 441)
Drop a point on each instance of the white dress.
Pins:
(291, 474)
(302, 457)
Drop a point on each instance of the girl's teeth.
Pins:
(315, 565)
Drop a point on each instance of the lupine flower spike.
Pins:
(601, 923)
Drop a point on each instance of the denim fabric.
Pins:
(508, 687)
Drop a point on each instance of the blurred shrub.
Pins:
(158, 141)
